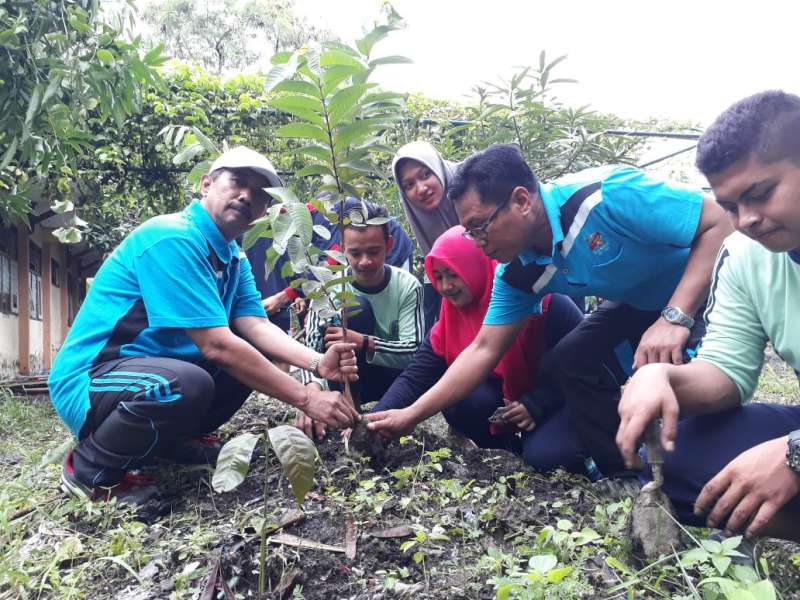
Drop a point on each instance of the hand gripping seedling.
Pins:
(654, 528)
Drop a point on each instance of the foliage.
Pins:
(229, 34)
(340, 118)
(62, 68)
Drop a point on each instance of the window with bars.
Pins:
(35, 281)
(9, 277)
(55, 273)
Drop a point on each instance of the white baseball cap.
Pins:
(242, 157)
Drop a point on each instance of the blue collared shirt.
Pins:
(171, 273)
(618, 233)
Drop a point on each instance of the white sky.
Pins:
(670, 59)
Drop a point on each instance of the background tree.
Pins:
(62, 70)
(229, 35)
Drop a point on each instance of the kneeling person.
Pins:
(172, 338)
(387, 327)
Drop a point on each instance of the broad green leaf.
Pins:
(713, 546)
(557, 575)
(350, 134)
(301, 216)
(418, 556)
(10, 153)
(283, 194)
(153, 58)
(763, 590)
(256, 231)
(542, 562)
(62, 206)
(585, 536)
(296, 86)
(345, 101)
(721, 563)
(188, 153)
(337, 256)
(314, 170)
(287, 270)
(233, 463)
(731, 543)
(281, 72)
(296, 453)
(33, 103)
(390, 60)
(333, 76)
(9, 39)
(106, 57)
(297, 102)
(52, 88)
(303, 131)
(321, 153)
(198, 171)
(330, 58)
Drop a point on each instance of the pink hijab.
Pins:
(457, 327)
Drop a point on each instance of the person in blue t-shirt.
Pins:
(172, 338)
(644, 245)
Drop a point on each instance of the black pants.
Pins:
(140, 405)
(590, 374)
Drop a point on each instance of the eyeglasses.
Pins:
(480, 232)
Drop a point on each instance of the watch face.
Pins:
(671, 314)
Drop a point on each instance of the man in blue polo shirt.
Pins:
(644, 245)
(172, 338)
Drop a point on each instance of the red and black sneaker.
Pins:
(134, 489)
(199, 450)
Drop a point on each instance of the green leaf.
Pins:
(197, 172)
(233, 463)
(585, 536)
(52, 88)
(557, 575)
(296, 86)
(763, 590)
(33, 103)
(333, 76)
(106, 57)
(294, 102)
(283, 194)
(256, 231)
(721, 563)
(731, 543)
(9, 154)
(333, 57)
(345, 101)
(187, 153)
(391, 60)
(542, 562)
(281, 72)
(303, 131)
(350, 134)
(418, 556)
(314, 170)
(153, 57)
(337, 256)
(296, 453)
(321, 153)
(9, 39)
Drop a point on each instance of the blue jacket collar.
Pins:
(224, 250)
(553, 212)
(795, 255)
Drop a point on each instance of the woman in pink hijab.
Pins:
(463, 275)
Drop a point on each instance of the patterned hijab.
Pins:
(427, 225)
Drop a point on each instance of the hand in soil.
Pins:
(518, 415)
(366, 442)
(391, 423)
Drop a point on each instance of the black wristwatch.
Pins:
(793, 452)
(676, 316)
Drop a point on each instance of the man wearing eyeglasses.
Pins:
(644, 245)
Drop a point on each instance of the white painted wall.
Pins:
(9, 346)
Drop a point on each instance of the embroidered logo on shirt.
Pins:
(596, 243)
